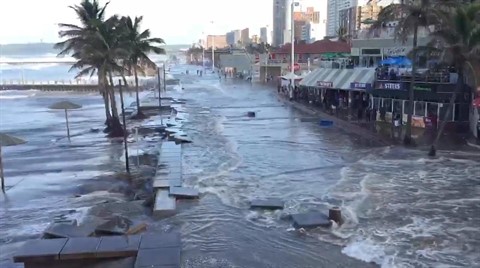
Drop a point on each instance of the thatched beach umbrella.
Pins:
(65, 105)
(7, 140)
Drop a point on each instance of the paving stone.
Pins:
(40, 250)
(68, 230)
(166, 183)
(80, 248)
(118, 246)
(160, 240)
(158, 257)
(184, 192)
(310, 220)
(269, 203)
(165, 204)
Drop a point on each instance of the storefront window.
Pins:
(376, 103)
(443, 113)
(397, 106)
(420, 107)
(387, 103)
(432, 109)
(462, 112)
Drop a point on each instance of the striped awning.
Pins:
(345, 79)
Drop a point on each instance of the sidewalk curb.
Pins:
(345, 125)
(471, 144)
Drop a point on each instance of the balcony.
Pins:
(385, 33)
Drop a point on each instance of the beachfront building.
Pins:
(280, 8)
(306, 57)
(264, 36)
(218, 41)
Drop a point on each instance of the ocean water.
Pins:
(402, 209)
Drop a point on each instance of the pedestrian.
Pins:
(368, 114)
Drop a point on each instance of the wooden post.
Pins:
(127, 166)
(1, 170)
(68, 128)
(335, 214)
(164, 78)
(159, 97)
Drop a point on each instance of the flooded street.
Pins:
(402, 209)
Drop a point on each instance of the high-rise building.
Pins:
(298, 29)
(218, 41)
(245, 36)
(279, 21)
(351, 14)
(264, 35)
(316, 26)
(231, 38)
(307, 32)
(238, 36)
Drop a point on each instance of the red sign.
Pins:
(296, 67)
(324, 84)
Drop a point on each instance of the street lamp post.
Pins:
(125, 134)
(292, 42)
(213, 50)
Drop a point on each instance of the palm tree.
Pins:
(139, 44)
(94, 45)
(410, 17)
(459, 38)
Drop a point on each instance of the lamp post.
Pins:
(203, 53)
(159, 96)
(213, 49)
(292, 42)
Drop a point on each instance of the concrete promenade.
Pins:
(60, 85)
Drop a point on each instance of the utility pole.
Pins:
(213, 50)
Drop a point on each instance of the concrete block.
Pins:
(310, 220)
(118, 246)
(165, 205)
(184, 192)
(80, 248)
(269, 203)
(158, 257)
(160, 240)
(68, 230)
(166, 183)
(40, 250)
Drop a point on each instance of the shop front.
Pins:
(431, 102)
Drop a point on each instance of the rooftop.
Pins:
(318, 47)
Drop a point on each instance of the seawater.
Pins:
(402, 209)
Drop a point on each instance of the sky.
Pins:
(176, 21)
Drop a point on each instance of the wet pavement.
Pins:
(402, 209)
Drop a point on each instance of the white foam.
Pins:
(366, 251)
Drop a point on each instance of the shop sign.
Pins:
(422, 88)
(324, 84)
(366, 86)
(395, 51)
(391, 86)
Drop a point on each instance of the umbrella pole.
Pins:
(66, 119)
(1, 170)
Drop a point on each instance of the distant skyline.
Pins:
(178, 22)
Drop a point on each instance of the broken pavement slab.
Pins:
(165, 205)
(117, 225)
(269, 203)
(158, 257)
(166, 183)
(40, 250)
(184, 192)
(310, 220)
(160, 240)
(68, 230)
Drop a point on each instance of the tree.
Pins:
(94, 44)
(458, 36)
(138, 44)
(410, 17)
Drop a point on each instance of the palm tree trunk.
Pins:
(116, 127)
(139, 114)
(458, 89)
(407, 140)
(106, 102)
